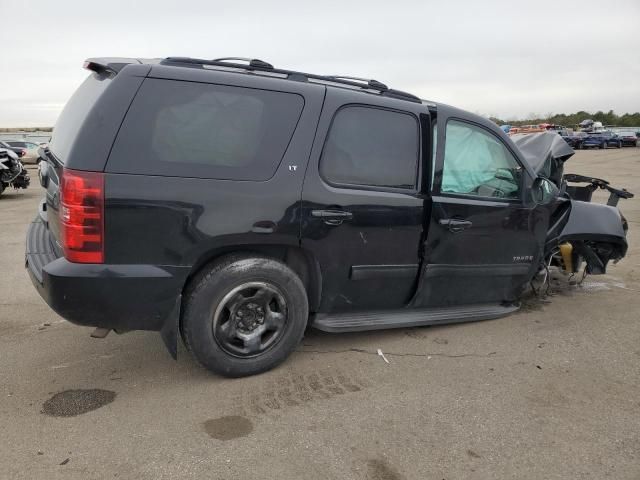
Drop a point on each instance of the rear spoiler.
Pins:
(112, 65)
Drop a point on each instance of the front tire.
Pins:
(244, 315)
(603, 145)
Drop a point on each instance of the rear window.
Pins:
(74, 113)
(176, 128)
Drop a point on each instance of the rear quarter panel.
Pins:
(95, 138)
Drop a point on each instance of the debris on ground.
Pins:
(382, 355)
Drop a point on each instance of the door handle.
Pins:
(455, 225)
(332, 217)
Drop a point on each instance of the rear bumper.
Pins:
(124, 297)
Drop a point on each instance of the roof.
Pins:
(113, 65)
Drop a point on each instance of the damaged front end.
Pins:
(12, 172)
(582, 236)
(587, 235)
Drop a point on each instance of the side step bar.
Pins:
(356, 322)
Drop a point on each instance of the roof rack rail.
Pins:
(253, 62)
(260, 65)
(370, 82)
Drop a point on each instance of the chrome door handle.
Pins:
(455, 225)
(332, 217)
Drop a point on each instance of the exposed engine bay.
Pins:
(582, 236)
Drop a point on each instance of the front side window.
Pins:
(372, 147)
(477, 163)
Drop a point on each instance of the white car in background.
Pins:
(31, 148)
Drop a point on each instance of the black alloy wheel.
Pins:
(244, 314)
(250, 319)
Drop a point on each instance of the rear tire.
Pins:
(244, 315)
(603, 145)
(619, 144)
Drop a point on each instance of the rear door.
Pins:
(483, 241)
(362, 215)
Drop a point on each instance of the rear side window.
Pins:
(74, 113)
(188, 129)
(373, 147)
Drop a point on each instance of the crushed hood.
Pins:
(545, 152)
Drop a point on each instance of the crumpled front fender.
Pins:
(594, 222)
(597, 234)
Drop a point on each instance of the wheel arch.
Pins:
(301, 261)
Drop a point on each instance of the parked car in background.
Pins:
(21, 152)
(602, 140)
(591, 126)
(529, 129)
(552, 127)
(31, 148)
(628, 139)
(574, 139)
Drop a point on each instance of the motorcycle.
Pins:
(12, 172)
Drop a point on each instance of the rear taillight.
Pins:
(82, 216)
(23, 153)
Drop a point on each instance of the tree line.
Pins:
(572, 119)
(25, 129)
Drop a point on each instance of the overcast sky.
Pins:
(500, 58)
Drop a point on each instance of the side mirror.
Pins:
(544, 191)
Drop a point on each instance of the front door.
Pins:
(481, 245)
(362, 213)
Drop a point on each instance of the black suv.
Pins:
(235, 203)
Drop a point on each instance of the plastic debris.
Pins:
(382, 355)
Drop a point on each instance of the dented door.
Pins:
(365, 235)
(484, 242)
